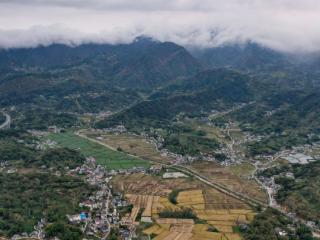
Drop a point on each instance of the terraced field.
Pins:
(104, 156)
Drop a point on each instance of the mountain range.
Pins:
(147, 81)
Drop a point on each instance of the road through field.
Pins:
(79, 134)
(188, 171)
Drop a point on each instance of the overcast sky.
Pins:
(288, 25)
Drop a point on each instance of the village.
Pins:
(100, 212)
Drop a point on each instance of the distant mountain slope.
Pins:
(284, 120)
(112, 71)
(142, 64)
(50, 56)
(208, 90)
(283, 70)
(249, 56)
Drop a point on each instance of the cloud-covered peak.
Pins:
(287, 25)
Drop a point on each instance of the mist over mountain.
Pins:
(130, 64)
(290, 26)
(245, 56)
(159, 119)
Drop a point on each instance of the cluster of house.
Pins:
(96, 214)
(100, 115)
(118, 202)
(43, 145)
(100, 212)
(303, 154)
(38, 133)
(54, 129)
(116, 130)
(299, 158)
(177, 158)
(38, 232)
(270, 183)
(6, 167)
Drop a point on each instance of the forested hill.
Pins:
(90, 77)
(286, 70)
(208, 90)
(247, 56)
(145, 63)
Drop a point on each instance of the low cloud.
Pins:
(286, 25)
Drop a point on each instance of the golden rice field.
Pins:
(224, 218)
(178, 230)
(216, 210)
(151, 204)
(193, 199)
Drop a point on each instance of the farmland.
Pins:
(214, 214)
(104, 156)
(132, 144)
(151, 184)
(210, 223)
(236, 178)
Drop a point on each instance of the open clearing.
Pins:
(241, 170)
(150, 184)
(211, 131)
(132, 144)
(236, 178)
(104, 156)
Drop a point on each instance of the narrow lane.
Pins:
(7, 122)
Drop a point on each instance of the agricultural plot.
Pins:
(211, 131)
(219, 210)
(151, 185)
(236, 179)
(216, 210)
(193, 199)
(217, 200)
(241, 170)
(150, 206)
(104, 156)
(178, 229)
(132, 144)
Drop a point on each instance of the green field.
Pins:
(104, 156)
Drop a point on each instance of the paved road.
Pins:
(7, 122)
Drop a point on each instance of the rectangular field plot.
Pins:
(104, 156)
(216, 200)
(191, 199)
(132, 144)
(236, 178)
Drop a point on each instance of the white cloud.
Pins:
(288, 25)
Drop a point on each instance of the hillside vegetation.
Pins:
(301, 193)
